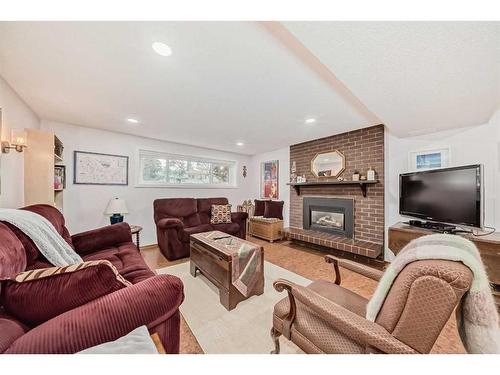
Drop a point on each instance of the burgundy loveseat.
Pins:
(177, 218)
(152, 300)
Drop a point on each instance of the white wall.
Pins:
(283, 155)
(84, 204)
(15, 115)
(472, 145)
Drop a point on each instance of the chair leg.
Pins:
(275, 335)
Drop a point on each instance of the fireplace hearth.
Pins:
(331, 215)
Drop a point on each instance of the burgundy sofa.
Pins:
(153, 300)
(177, 218)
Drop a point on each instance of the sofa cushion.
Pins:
(10, 330)
(230, 228)
(192, 220)
(174, 207)
(30, 249)
(126, 259)
(273, 209)
(193, 230)
(205, 207)
(33, 297)
(260, 206)
(55, 217)
(12, 254)
(220, 214)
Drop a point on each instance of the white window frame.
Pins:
(233, 167)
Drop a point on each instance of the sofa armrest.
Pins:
(239, 216)
(101, 238)
(366, 271)
(347, 322)
(170, 222)
(105, 319)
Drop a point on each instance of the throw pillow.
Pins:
(221, 214)
(35, 296)
(274, 209)
(259, 207)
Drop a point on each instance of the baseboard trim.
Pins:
(149, 247)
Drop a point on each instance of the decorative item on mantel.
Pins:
(293, 174)
(355, 176)
(116, 208)
(370, 174)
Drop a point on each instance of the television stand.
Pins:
(437, 227)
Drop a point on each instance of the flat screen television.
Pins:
(448, 195)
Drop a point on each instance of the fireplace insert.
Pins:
(331, 215)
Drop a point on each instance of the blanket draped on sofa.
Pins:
(43, 234)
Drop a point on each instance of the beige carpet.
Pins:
(243, 330)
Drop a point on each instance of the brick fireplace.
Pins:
(363, 148)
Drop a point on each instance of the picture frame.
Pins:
(59, 177)
(269, 179)
(92, 168)
(429, 159)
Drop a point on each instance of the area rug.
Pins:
(243, 330)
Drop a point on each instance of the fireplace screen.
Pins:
(324, 219)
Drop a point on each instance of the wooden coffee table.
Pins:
(214, 260)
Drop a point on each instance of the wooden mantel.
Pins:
(362, 184)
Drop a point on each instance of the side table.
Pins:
(136, 229)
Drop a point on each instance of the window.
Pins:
(160, 169)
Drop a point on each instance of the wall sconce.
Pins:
(18, 141)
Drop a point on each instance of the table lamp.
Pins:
(116, 208)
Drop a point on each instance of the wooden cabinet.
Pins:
(39, 160)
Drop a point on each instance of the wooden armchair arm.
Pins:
(280, 285)
(366, 271)
(352, 325)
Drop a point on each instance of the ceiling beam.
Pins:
(296, 47)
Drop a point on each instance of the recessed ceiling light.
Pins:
(161, 49)
(240, 144)
(310, 121)
(133, 120)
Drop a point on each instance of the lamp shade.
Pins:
(116, 206)
(18, 137)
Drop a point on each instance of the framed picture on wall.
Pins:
(429, 159)
(269, 179)
(92, 168)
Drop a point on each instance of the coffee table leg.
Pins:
(192, 269)
(224, 299)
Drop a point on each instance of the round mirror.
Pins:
(328, 164)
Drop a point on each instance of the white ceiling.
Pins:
(237, 81)
(418, 77)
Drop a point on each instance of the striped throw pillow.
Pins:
(51, 271)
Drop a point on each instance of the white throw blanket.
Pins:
(477, 315)
(136, 342)
(48, 241)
